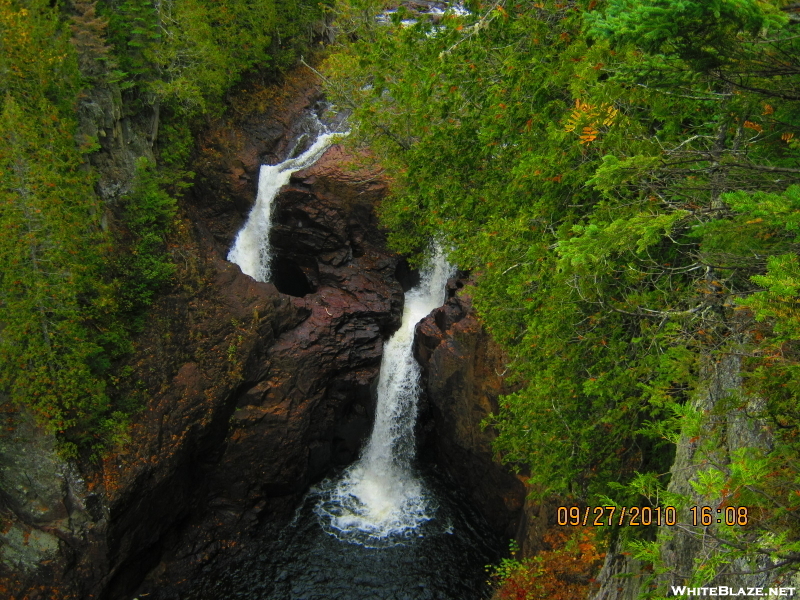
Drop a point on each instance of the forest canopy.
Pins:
(74, 290)
(622, 180)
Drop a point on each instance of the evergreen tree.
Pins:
(619, 178)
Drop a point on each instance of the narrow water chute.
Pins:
(379, 498)
(251, 250)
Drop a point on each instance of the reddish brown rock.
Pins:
(258, 131)
(324, 226)
(462, 375)
(303, 400)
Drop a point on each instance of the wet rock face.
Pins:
(107, 522)
(462, 375)
(325, 232)
(43, 508)
(251, 392)
(231, 153)
(304, 402)
(311, 397)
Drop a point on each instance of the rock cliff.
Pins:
(303, 402)
(462, 374)
(250, 391)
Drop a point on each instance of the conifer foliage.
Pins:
(72, 294)
(620, 177)
(50, 247)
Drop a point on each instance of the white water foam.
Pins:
(251, 249)
(379, 500)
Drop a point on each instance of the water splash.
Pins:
(379, 500)
(251, 250)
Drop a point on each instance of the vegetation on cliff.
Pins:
(622, 179)
(562, 571)
(77, 274)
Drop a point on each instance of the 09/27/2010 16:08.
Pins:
(636, 516)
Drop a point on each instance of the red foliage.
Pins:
(565, 572)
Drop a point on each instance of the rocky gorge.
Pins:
(251, 391)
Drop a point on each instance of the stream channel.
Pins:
(384, 528)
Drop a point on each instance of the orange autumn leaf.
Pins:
(753, 126)
(589, 134)
(565, 571)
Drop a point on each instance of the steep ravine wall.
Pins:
(463, 373)
(52, 516)
(250, 394)
(308, 404)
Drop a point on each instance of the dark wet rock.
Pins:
(463, 378)
(304, 401)
(249, 394)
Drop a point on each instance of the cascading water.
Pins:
(370, 534)
(251, 249)
(381, 504)
(379, 500)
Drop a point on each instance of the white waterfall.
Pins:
(251, 249)
(379, 497)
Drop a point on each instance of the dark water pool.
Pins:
(444, 560)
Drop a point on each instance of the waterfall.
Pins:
(251, 249)
(379, 498)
